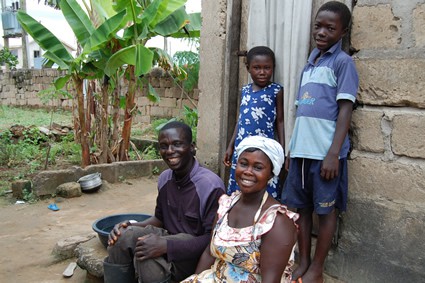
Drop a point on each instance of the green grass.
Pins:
(10, 116)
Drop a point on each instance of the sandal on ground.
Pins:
(69, 271)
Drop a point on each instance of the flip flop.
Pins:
(53, 207)
(69, 271)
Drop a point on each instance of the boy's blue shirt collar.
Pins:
(316, 52)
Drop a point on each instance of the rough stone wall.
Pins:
(381, 235)
(21, 88)
(211, 77)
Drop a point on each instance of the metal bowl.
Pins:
(91, 182)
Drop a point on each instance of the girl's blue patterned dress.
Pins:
(257, 117)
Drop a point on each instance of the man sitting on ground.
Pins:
(166, 247)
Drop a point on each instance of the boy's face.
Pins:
(327, 30)
(261, 70)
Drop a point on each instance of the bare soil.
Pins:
(30, 231)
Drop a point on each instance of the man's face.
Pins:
(176, 150)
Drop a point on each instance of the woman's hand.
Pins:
(116, 233)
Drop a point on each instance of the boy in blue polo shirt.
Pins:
(317, 155)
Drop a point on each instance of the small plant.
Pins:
(6, 57)
(150, 153)
(155, 170)
(189, 62)
(29, 196)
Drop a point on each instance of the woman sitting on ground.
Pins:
(254, 234)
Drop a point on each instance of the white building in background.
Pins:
(35, 53)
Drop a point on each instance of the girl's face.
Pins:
(253, 171)
(327, 30)
(261, 70)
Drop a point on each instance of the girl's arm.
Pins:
(279, 118)
(227, 160)
(276, 248)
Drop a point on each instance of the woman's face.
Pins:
(253, 171)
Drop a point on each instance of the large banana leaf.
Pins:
(105, 32)
(136, 55)
(51, 57)
(159, 10)
(132, 7)
(173, 23)
(45, 39)
(103, 8)
(77, 20)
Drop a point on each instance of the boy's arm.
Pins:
(279, 118)
(330, 164)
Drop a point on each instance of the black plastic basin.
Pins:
(104, 225)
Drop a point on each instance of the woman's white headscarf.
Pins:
(270, 147)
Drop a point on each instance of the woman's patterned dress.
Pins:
(237, 250)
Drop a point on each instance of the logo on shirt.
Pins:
(306, 99)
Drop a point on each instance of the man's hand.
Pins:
(150, 246)
(116, 233)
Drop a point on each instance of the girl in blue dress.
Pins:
(260, 111)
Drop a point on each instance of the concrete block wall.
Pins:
(21, 88)
(381, 232)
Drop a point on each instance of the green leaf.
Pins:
(192, 29)
(159, 10)
(136, 55)
(122, 101)
(105, 32)
(44, 38)
(77, 20)
(55, 59)
(172, 23)
(152, 94)
(60, 82)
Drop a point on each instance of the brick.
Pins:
(418, 25)
(408, 135)
(392, 82)
(366, 131)
(374, 179)
(375, 27)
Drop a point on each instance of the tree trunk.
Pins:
(104, 129)
(130, 107)
(85, 150)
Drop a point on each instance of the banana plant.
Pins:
(113, 45)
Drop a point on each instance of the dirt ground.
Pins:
(30, 231)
